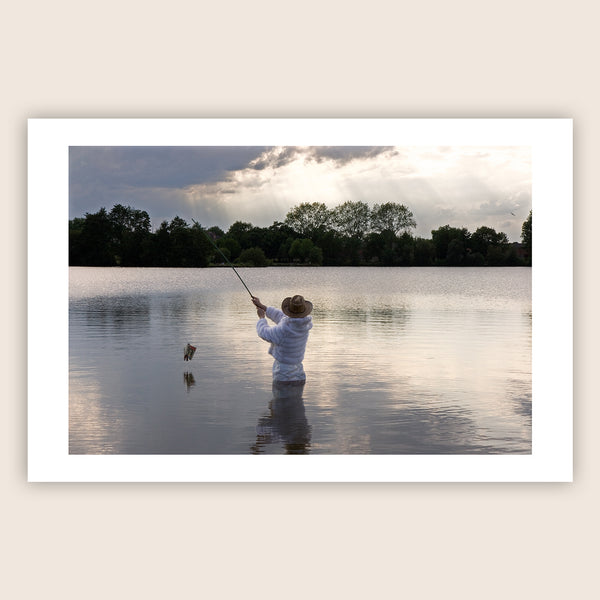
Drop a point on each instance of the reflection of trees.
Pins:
(384, 315)
(428, 429)
(419, 426)
(125, 314)
(521, 404)
(518, 395)
(286, 422)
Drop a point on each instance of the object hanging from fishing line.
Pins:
(188, 352)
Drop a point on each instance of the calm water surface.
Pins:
(399, 361)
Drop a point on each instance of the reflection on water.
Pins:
(189, 380)
(119, 315)
(286, 422)
(400, 361)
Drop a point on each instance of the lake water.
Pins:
(399, 361)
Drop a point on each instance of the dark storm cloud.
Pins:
(345, 154)
(166, 167)
(339, 155)
(275, 158)
(102, 176)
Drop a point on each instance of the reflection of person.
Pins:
(286, 421)
(288, 336)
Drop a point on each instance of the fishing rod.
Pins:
(221, 253)
(190, 350)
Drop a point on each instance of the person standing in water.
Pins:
(288, 336)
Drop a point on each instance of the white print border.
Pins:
(551, 141)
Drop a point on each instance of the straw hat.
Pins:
(296, 307)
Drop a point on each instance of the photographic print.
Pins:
(361, 294)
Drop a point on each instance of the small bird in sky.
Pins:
(513, 214)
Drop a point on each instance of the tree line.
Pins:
(351, 234)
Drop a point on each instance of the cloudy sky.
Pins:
(218, 185)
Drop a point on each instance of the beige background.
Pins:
(312, 59)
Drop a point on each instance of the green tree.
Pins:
(474, 259)
(231, 245)
(526, 238)
(424, 252)
(455, 255)
(351, 251)
(217, 257)
(405, 250)
(199, 248)
(179, 242)
(283, 252)
(352, 219)
(130, 231)
(305, 250)
(272, 238)
(241, 231)
(350, 234)
(216, 232)
(382, 248)
(441, 239)
(161, 246)
(484, 237)
(496, 256)
(184, 246)
(332, 246)
(393, 217)
(309, 219)
(95, 240)
(254, 257)
(125, 218)
(315, 256)
(75, 230)
(511, 258)
(489, 243)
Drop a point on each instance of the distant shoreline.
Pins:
(311, 235)
(297, 266)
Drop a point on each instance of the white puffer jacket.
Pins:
(288, 337)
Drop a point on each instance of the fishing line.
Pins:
(221, 253)
(189, 350)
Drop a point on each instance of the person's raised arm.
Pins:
(260, 307)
